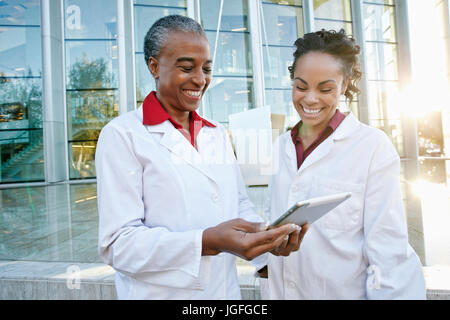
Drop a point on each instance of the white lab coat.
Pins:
(156, 195)
(360, 249)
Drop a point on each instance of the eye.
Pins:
(186, 69)
(326, 90)
(301, 89)
(207, 70)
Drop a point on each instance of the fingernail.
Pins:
(296, 227)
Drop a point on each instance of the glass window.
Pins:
(82, 159)
(379, 23)
(235, 53)
(164, 3)
(90, 110)
(381, 61)
(226, 96)
(231, 89)
(87, 19)
(144, 80)
(234, 15)
(281, 26)
(24, 12)
(20, 51)
(285, 2)
(333, 9)
(276, 73)
(21, 135)
(91, 78)
(91, 64)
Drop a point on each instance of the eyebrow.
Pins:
(189, 59)
(321, 83)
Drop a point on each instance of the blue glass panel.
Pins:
(20, 51)
(87, 19)
(20, 12)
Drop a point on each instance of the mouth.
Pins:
(312, 112)
(193, 94)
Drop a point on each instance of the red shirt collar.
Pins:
(334, 122)
(155, 114)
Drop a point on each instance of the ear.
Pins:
(153, 66)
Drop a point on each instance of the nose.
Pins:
(310, 98)
(200, 79)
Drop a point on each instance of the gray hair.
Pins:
(159, 32)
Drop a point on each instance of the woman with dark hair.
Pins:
(360, 249)
(173, 210)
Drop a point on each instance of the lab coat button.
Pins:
(291, 284)
(215, 198)
(294, 188)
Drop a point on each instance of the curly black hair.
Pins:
(340, 46)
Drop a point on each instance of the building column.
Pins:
(53, 92)
(126, 57)
(358, 34)
(254, 9)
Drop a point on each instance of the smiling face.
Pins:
(182, 71)
(317, 86)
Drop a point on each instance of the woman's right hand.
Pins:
(246, 239)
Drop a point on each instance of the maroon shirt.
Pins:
(154, 114)
(334, 122)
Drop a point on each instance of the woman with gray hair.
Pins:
(173, 209)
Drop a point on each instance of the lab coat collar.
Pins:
(348, 126)
(181, 150)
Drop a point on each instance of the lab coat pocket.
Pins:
(347, 215)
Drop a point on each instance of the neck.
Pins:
(180, 116)
(312, 132)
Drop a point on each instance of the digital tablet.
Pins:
(308, 211)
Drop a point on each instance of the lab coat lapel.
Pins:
(319, 153)
(291, 155)
(348, 126)
(181, 150)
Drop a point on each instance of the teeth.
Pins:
(311, 111)
(193, 93)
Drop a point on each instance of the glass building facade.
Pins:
(49, 127)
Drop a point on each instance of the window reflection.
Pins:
(91, 64)
(276, 73)
(234, 56)
(87, 19)
(281, 25)
(91, 78)
(21, 140)
(20, 51)
(234, 15)
(379, 23)
(226, 96)
(82, 159)
(24, 12)
(381, 61)
(333, 9)
(231, 90)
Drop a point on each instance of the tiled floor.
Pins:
(53, 223)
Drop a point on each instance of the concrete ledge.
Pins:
(30, 280)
